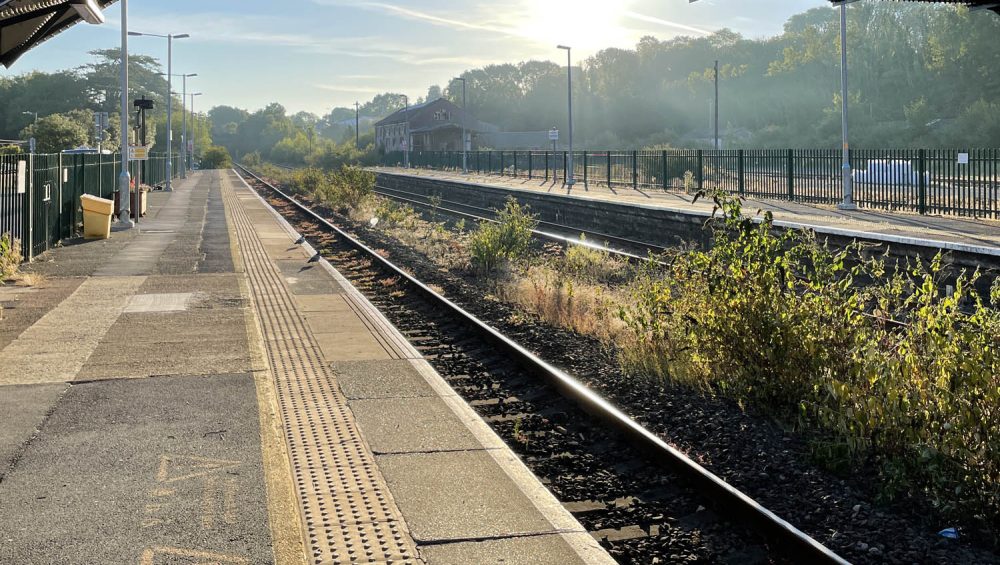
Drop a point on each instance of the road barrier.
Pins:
(925, 181)
(40, 194)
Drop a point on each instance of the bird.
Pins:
(315, 258)
(300, 240)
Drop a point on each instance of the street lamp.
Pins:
(35, 114)
(465, 166)
(570, 180)
(406, 132)
(124, 179)
(170, 62)
(357, 125)
(848, 202)
(193, 135)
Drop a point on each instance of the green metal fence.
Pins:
(925, 181)
(40, 194)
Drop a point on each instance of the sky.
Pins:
(313, 55)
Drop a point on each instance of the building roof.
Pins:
(399, 116)
(973, 4)
(26, 23)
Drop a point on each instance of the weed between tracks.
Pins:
(893, 374)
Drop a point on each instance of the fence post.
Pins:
(791, 174)
(565, 155)
(585, 170)
(531, 168)
(609, 168)
(546, 166)
(739, 171)
(663, 169)
(501, 163)
(701, 169)
(635, 170)
(922, 181)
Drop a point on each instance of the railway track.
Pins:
(644, 500)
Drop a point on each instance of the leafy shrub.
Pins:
(509, 239)
(10, 256)
(216, 157)
(893, 373)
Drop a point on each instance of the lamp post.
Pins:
(406, 132)
(170, 62)
(183, 116)
(193, 135)
(124, 179)
(570, 180)
(357, 125)
(35, 114)
(465, 161)
(848, 202)
(717, 105)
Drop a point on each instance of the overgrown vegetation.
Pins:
(10, 256)
(494, 244)
(891, 374)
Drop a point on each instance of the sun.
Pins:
(588, 25)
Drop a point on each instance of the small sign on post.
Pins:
(553, 134)
(22, 177)
(138, 153)
(963, 158)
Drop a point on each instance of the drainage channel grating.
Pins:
(347, 512)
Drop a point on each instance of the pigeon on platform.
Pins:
(300, 240)
(315, 258)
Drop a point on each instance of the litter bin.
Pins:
(96, 216)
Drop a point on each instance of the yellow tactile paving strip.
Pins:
(347, 512)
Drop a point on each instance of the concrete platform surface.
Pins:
(194, 391)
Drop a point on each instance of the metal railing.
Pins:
(40, 194)
(925, 181)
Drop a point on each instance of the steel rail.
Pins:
(537, 233)
(598, 236)
(730, 501)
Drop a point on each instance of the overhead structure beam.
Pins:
(971, 4)
(24, 24)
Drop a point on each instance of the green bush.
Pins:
(892, 373)
(10, 256)
(509, 239)
(216, 157)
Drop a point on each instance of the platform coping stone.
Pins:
(348, 514)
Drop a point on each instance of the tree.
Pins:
(433, 93)
(216, 157)
(56, 133)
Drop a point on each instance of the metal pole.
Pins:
(193, 136)
(184, 127)
(170, 112)
(124, 179)
(406, 133)
(848, 203)
(570, 180)
(357, 125)
(716, 105)
(465, 113)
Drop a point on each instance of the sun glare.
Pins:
(583, 24)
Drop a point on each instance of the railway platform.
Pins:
(950, 233)
(201, 390)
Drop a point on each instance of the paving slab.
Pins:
(126, 470)
(20, 306)
(459, 496)
(554, 549)
(24, 409)
(412, 425)
(306, 278)
(392, 378)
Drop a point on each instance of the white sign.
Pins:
(404, 145)
(554, 134)
(138, 153)
(22, 176)
(963, 158)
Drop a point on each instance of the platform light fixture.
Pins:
(170, 124)
(89, 11)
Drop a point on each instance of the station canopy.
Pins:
(972, 4)
(26, 23)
